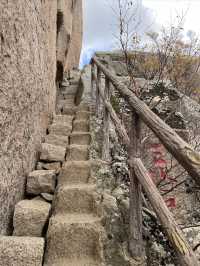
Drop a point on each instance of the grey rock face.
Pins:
(30, 217)
(52, 153)
(21, 251)
(47, 197)
(41, 181)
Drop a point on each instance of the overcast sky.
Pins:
(100, 21)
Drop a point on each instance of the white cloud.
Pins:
(100, 25)
(100, 21)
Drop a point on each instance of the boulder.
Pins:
(52, 153)
(41, 181)
(21, 251)
(30, 217)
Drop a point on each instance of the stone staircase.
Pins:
(68, 232)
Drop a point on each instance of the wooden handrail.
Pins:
(118, 124)
(139, 176)
(175, 235)
(181, 150)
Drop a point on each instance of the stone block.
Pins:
(21, 251)
(52, 153)
(63, 129)
(30, 217)
(81, 126)
(41, 181)
(57, 140)
(78, 152)
(80, 138)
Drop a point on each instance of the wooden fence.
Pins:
(139, 176)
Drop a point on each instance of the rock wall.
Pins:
(29, 47)
(75, 46)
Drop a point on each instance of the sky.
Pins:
(100, 21)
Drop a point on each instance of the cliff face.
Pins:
(29, 49)
(75, 45)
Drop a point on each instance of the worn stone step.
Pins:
(60, 129)
(62, 103)
(69, 90)
(21, 251)
(80, 138)
(52, 153)
(79, 199)
(57, 140)
(78, 152)
(81, 126)
(83, 107)
(41, 181)
(82, 115)
(31, 217)
(69, 110)
(74, 172)
(70, 240)
(84, 261)
(69, 99)
(63, 118)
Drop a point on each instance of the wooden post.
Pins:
(106, 124)
(182, 151)
(93, 80)
(136, 246)
(173, 232)
(97, 92)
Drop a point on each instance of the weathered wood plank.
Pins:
(98, 85)
(182, 151)
(93, 80)
(106, 124)
(175, 235)
(118, 123)
(136, 246)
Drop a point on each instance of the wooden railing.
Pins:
(139, 176)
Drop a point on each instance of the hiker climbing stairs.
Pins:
(68, 231)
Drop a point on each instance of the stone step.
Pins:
(31, 217)
(69, 110)
(80, 138)
(57, 140)
(52, 153)
(69, 90)
(21, 251)
(78, 152)
(63, 119)
(68, 98)
(83, 107)
(75, 199)
(41, 181)
(81, 126)
(74, 172)
(84, 261)
(82, 115)
(63, 102)
(60, 129)
(70, 240)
